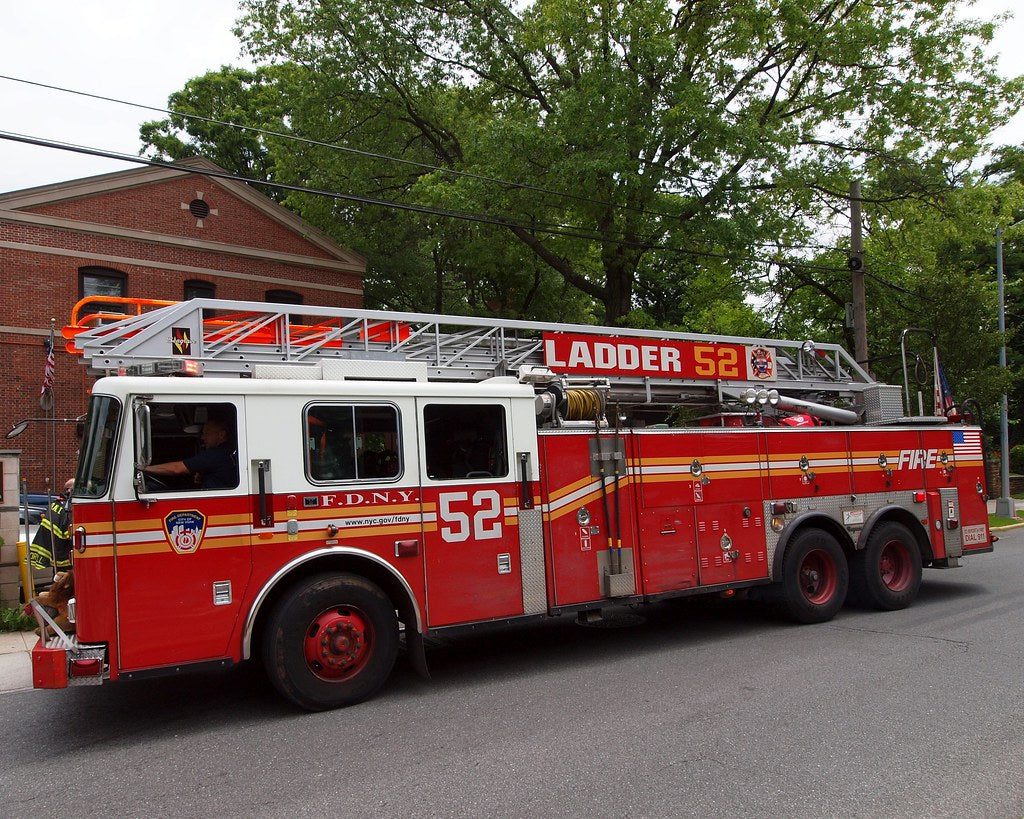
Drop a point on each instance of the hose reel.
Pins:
(570, 403)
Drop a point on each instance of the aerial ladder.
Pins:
(254, 339)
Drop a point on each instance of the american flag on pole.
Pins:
(943, 396)
(966, 445)
(46, 391)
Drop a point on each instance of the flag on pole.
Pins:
(46, 391)
(943, 395)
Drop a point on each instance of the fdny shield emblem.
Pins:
(762, 364)
(184, 530)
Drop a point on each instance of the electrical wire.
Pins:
(544, 227)
(336, 147)
(569, 231)
(369, 154)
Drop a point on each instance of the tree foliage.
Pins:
(632, 157)
(663, 122)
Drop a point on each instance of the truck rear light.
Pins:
(88, 667)
(919, 496)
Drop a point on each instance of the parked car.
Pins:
(39, 499)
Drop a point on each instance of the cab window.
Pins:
(202, 437)
(352, 442)
(465, 441)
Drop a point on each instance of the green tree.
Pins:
(930, 265)
(649, 162)
(255, 100)
(650, 125)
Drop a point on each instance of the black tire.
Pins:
(815, 577)
(331, 640)
(886, 573)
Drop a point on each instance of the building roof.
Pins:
(89, 186)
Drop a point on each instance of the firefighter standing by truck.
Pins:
(51, 545)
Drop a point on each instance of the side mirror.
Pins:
(143, 445)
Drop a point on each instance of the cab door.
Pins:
(182, 552)
(470, 497)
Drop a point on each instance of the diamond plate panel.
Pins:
(531, 559)
(882, 403)
(833, 507)
(953, 537)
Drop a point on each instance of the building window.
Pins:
(102, 281)
(198, 289)
(283, 297)
(287, 297)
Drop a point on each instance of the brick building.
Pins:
(158, 233)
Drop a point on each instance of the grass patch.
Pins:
(15, 620)
(996, 520)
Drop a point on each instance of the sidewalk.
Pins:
(15, 662)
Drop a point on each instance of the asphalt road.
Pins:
(683, 709)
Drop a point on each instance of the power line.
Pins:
(335, 147)
(368, 154)
(579, 233)
(560, 230)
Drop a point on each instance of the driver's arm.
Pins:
(169, 468)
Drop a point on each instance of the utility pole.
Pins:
(856, 265)
(1004, 504)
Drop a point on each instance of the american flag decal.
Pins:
(967, 444)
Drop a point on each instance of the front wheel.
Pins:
(331, 641)
(886, 573)
(815, 577)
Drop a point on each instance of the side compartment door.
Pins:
(667, 543)
(182, 551)
(470, 499)
(728, 509)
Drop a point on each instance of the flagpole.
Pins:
(48, 402)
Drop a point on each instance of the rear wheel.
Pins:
(886, 573)
(331, 640)
(815, 577)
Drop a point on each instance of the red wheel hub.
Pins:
(894, 566)
(338, 643)
(818, 577)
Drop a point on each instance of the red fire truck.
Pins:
(393, 476)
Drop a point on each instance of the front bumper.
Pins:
(61, 660)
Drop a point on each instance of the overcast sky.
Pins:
(143, 51)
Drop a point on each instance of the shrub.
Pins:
(15, 620)
(1017, 459)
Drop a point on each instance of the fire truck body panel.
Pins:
(357, 503)
(680, 510)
